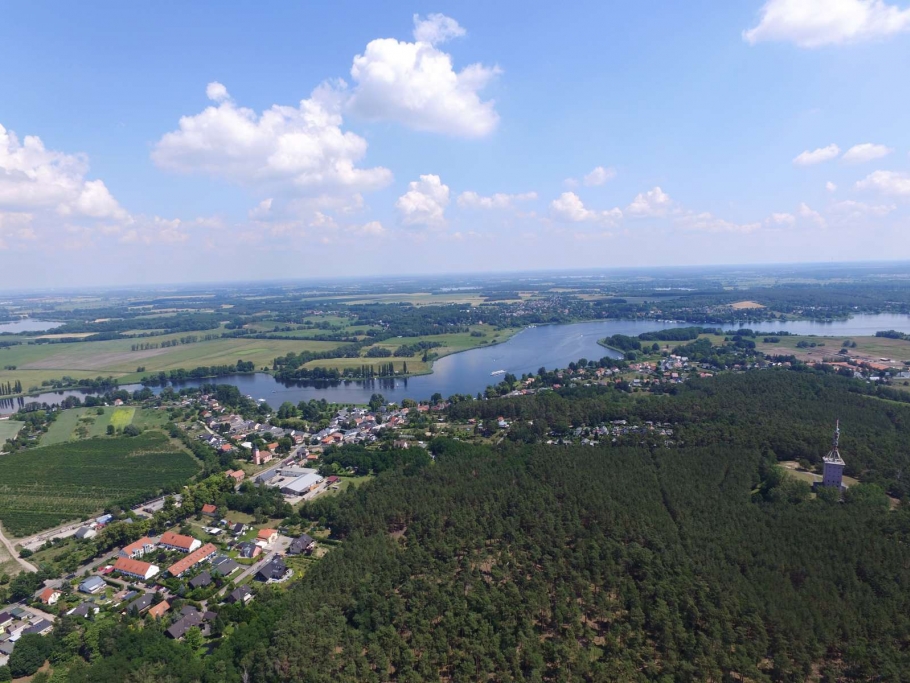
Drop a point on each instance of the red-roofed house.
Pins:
(172, 541)
(236, 475)
(135, 568)
(50, 596)
(138, 548)
(158, 610)
(209, 509)
(191, 560)
(267, 536)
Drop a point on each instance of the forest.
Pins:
(699, 560)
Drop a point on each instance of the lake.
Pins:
(549, 346)
(28, 325)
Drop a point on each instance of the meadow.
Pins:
(86, 423)
(44, 487)
(9, 429)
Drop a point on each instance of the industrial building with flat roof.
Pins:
(301, 485)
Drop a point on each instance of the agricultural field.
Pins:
(38, 362)
(867, 348)
(9, 429)
(44, 487)
(87, 423)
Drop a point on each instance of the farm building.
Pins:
(135, 568)
(185, 544)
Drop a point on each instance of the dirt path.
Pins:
(28, 566)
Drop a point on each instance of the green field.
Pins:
(9, 429)
(68, 423)
(43, 487)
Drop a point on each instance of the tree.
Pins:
(110, 430)
(194, 638)
(376, 401)
(29, 654)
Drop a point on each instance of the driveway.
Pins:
(27, 566)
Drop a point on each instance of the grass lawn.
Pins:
(43, 487)
(9, 429)
(121, 417)
(86, 423)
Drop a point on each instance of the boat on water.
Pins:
(498, 372)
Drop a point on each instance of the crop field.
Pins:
(38, 362)
(68, 423)
(9, 429)
(44, 487)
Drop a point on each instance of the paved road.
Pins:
(27, 566)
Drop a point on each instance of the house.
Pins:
(237, 475)
(141, 604)
(209, 509)
(92, 585)
(135, 568)
(49, 596)
(302, 544)
(274, 571)
(85, 532)
(138, 548)
(200, 555)
(238, 528)
(179, 628)
(185, 544)
(248, 550)
(42, 627)
(242, 595)
(5, 620)
(85, 610)
(157, 611)
(267, 536)
(224, 566)
(201, 580)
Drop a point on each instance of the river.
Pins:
(549, 346)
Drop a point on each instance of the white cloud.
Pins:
(436, 28)
(262, 210)
(569, 207)
(804, 212)
(424, 203)
(599, 176)
(373, 228)
(654, 202)
(831, 187)
(887, 182)
(853, 210)
(708, 222)
(814, 23)
(416, 85)
(817, 156)
(302, 147)
(472, 200)
(782, 219)
(216, 92)
(34, 178)
(866, 152)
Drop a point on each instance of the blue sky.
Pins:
(466, 136)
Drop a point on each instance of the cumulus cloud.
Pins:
(817, 156)
(34, 178)
(782, 219)
(436, 28)
(599, 176)
(424, 203)
(887, 182)
(373, 228)
(853, 210)
(472, 200)
(568, 207)
(302, 148)
(831, 187)
(866, 152)
(708, 222)
(416, 85)
(654, 202)
(804, 212)
(815, 23)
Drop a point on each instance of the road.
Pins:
(27, 566)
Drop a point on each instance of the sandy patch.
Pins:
(746, 304)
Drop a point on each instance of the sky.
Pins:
(219, 141)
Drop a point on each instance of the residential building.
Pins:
(242, 595)
(179, 628)
(201, 580)
(49, 596)
(138, 548)
(135, 568)
(157, 611)
(141, 604)
(42, 627)
(85, 610)
(5, 620)
(209, 510)
(302, 544)
(248, 550)
(86, 532)
(191, 560)
(92, 585)
(224, 566)
(274, 571)
(185, 544)
(267, 536)
(237, 475)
